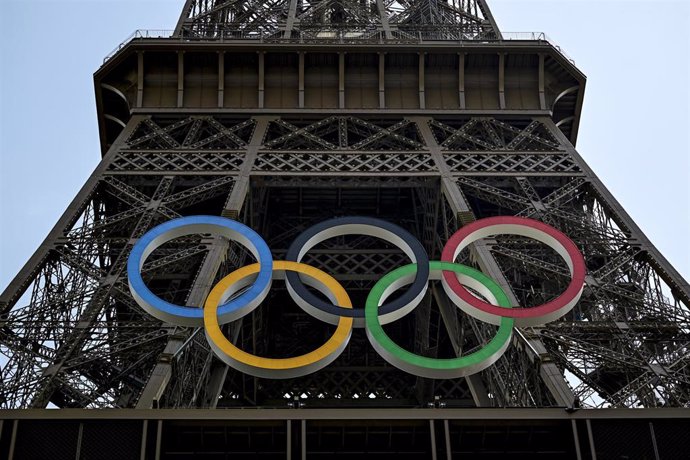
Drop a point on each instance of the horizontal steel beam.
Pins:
(383, 112)
(450, 46)
(345, 414)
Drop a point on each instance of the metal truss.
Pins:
(326, 20)
(348, 133)
(72, 336)
(626, 343)
(359, 163)
(196, 133)
(492, 134)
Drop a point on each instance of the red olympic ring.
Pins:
(548, 235)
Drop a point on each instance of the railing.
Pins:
(541, 36)
(342, 36)
(139, 33)
(524, 36)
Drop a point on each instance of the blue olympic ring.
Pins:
(186, 316)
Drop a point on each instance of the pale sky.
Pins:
(634, 131)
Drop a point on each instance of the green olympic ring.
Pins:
(423, 366)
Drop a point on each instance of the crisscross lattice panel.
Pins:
(494, 134)
(198, 133)
(350, 133)
(344, 162)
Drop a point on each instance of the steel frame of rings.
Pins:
(522, 226)
(243, 290)
(189, 316)
(370, 226)
(277, 368)
(436, 368)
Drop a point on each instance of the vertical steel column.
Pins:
(159, 435)
(484, 7)
(160, 370)
(432, 432)
(549, 372)
(446, 434)
(289, 439)
(186, 11)
(422, 99)
(180, 79)
(654, 444)
(383, 17)
(80, 435)
(232, 209)
(382, 80)
(221, 79)
(590, 436)
(289, 23)
(140, 79)
(303, 437)
(262, 76)
(204, 281)
(542, 83)
(461, 81)
(679, 286)
(341, 80)
(300, 80)
(13, 439)
(479, 393)
(144, 434)
(502, 81)
(576, 439)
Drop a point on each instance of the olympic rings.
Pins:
(423, 366)
(243, 290)
(378, 228)
(539, 231)
(275, 368)
(185, 316)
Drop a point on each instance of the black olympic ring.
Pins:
(358, 225)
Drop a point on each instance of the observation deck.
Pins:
(343, 71)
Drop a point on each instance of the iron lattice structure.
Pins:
(325, 20)
(284, 113)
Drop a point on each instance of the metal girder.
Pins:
(549, 373)
(365, 163)
(81, 340)
(624, 221)
(74, 342)
(24, 278)
(217, 251)
(457, 19)
(392, 167)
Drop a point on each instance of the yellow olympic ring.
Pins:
(277, 367)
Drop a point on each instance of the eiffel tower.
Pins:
(282, 114)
